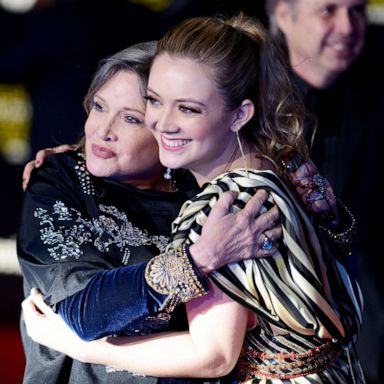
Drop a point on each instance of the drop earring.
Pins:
(168, 174)
(242, 151)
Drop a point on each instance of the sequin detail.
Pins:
(84, 176)
(171, 273)
(66, 232)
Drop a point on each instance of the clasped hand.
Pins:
(45, 327)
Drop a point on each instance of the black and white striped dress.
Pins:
(308, 307)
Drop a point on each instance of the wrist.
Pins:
(342, 232)
(89, 351)
(179, 287)
(199, 257)
(80, 350)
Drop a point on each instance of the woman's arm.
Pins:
(40, 159)
(120, 300)
(316, 193)
(210, 349)
(84, 289)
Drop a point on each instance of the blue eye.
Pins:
(96, 106)
(132, 120)
(185, 109)
(151, 100)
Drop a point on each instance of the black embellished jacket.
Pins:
(84, 242)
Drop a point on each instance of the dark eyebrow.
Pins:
(134, 110)
(192, 101)
(151, 90)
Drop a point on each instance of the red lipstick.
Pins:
(102, 152)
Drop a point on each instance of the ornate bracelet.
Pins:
(172, 273)
(343, 240)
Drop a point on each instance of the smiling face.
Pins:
(324, 37)
(187, 116)
(117, 143)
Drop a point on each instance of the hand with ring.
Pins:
(267, 243)
(314, 190)
(229, 237)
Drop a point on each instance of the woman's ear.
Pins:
(242, 115)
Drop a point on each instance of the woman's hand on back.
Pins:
(314, 190)
(231, 237)
(40, 158)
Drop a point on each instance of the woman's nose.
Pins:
(106, 130)
(166, 122)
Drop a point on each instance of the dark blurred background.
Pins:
(48, 51)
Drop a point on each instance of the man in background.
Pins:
(338, 65)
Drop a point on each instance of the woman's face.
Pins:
(117, 143)
(187, 116)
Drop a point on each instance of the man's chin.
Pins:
(341, 65)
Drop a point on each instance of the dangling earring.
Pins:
(242, 152)
(168, 174)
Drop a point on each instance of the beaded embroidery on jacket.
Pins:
(65, 231)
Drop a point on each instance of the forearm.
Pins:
(341, 233)
(113, 301)
(164, 355)
(120, 300)
(176, 354)
(209, 349)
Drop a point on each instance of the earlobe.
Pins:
(243, 114)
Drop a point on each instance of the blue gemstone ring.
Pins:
(267, 244)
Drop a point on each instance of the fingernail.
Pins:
(35, 291)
